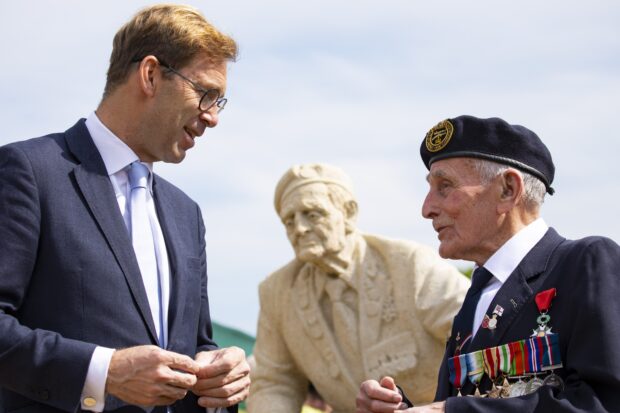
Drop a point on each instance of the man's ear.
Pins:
(350, 215)
(149, 72)
(512, 188)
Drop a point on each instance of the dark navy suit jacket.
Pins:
(69, 279)
(585, 313)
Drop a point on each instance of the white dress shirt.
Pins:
(504, 261)
(117, 156)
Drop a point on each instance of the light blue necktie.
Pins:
(144, 245)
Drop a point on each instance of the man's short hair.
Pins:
(173, 33)
(533, 188)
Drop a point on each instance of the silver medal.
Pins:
(517, 389)
(533, 385)
(554, 380)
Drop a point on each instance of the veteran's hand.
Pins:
(150, 376)
(223, 378)
(379, 397)
(429, 408)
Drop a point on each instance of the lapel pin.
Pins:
(491, 322)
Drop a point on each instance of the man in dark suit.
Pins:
(103, 283)
(538, 330)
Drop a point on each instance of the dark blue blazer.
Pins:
(585, 313)
(69, 279)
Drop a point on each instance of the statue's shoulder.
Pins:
(283, 277)
(396, 248)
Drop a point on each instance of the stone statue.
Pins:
(350, 307)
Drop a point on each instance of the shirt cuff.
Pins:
(93, 392)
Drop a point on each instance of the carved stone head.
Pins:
(318, 209)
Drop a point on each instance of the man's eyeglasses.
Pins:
(209, 97)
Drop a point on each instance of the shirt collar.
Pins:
(115, 153)
(506, 259)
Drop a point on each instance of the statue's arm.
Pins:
(277, 384)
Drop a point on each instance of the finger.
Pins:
(206, 388)
(221, 361)
(181, 379)
(206, 401)
(377, 391)
(170, 394)
(240, 372)
(182, 362)
(388, 383)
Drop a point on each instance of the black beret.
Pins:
(493, 139)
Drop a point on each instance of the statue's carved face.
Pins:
(315, 227)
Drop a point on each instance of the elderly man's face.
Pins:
(463, 210)
(314, 226)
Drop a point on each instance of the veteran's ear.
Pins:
(512, 188)
(350, 215)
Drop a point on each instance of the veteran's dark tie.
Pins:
(464, 320)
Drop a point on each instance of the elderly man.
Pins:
(538, 331)
(351, 306)
(103, 280)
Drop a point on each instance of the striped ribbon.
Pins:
(534, 347)
(458, 370)
(505, 358)
(491, 362)
(475, 367)
(551, 358)
(519, 363)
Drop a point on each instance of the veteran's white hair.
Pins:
(534, 188)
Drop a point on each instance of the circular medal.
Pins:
(554, 380)
(517, 389)
(492, 323)
(533, 385)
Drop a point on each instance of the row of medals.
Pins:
(523, 385)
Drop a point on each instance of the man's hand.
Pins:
(437, 407)
(379, 397)
(150, 376)
(223, 378)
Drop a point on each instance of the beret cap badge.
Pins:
(438, 137)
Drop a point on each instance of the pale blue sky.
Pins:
(356, 84)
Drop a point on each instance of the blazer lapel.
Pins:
(93, 181)
(178, 288)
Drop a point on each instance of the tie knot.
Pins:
(479, 279)
(334, 287)
(138, 175)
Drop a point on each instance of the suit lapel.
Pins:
(513, 295)
(516, 293)
(309, 314)
(373, 290)
(93, 182)
(178, 288)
